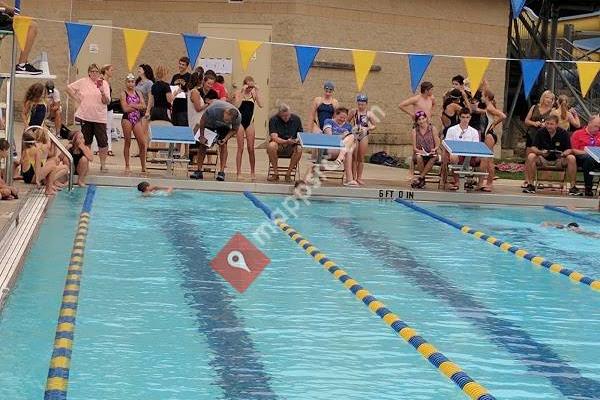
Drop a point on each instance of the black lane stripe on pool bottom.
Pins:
(241, 374)
(539, 358)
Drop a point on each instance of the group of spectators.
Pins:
(199, 99)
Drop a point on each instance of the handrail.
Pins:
(62, 149)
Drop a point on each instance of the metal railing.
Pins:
(60, 147)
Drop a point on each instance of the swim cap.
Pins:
(573, 225)
(329, 85)
(362, 98)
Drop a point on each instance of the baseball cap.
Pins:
(50, 87)
(362, 98)
(329, 85)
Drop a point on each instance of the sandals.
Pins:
(351, 184)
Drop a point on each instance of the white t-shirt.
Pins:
(467, 135)
(53, 97)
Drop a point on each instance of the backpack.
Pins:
(383, 158)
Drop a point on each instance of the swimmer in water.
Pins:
(573, 227)
(150, 190)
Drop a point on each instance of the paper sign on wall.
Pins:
(219, 65)
(94, 48)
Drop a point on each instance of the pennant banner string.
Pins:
(400, 53)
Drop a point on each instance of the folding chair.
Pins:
(433, 176)
(551, 177)
(211, 161)
(282, 169)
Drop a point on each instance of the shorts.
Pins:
(6, 23)
(286, 150)
(475, 161)
(425, 158)
(560, 162)
(94, 129)
(180, 119)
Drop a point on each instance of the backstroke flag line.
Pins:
(21, 28)
(305, 55)
(193, 45)
(517, 7)
(587, 75)
(531, 71)
(76, 35)
(134, 41)
(418, 64)
(363, 60)
(476, 68)
(247, 50)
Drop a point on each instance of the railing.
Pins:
(62, 149)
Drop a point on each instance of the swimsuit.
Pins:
(132, 116)
(454, 120)
(247, 111)
(29, 174)
(361, 121)
(38, 114)
(76, 158)
(324, 111)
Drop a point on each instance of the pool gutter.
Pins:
(378, 193)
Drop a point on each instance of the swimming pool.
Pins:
(155, 321)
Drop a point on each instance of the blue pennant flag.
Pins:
(531, 71)
(76, 35)
(305, 55)
(418, 64)
(517, 6)
(193, 45)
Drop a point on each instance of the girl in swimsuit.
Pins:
(34, 108)
(451, 110)
(29, 158)
(321, 109)
(133, 105)
(535, 120)
(82, 156)
(245, 100)
(49, 169)
(494, 118)
(364, 123)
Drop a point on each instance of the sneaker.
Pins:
(589, 192)
(333, 166)
(197, 175)
(27, 69)
(220, 176)
(529, 189)
(575, 192)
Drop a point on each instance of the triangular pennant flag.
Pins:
(305, 56)
(134, 41)
(587, 74)
(517, 6)
(363, 60)
(531, 71)
(76, 35)
(418, 64)
(247, 50)
(475, 70)
(21, 27)
(193, 45)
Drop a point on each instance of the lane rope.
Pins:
(449, 369)
(60, 362)
(573, 214)
(505, 246)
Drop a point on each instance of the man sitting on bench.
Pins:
(6, 24)
(224, 119)
(283, 128)
(551, 147)
(461, 132)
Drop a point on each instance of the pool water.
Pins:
(155, 321)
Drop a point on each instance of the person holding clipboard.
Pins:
(219, 123)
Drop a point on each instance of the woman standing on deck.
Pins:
(322, 108)
(245, 100)
(494, 118)
(161, 98)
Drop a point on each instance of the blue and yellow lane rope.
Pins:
(60, 362)
(572, 214)
(505, 246)
(449, 369)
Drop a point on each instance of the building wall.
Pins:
(459, 27)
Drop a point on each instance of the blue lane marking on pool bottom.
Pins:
(242, 375)
(573, 214)
(538, 357)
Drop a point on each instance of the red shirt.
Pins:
(582, 138)
(221, 91)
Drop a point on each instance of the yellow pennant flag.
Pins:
(476, 68)
(134, 41)
(21, 28)
(587, 74)
(363, 61)
(247, 50)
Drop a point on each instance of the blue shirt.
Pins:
(337, 129)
